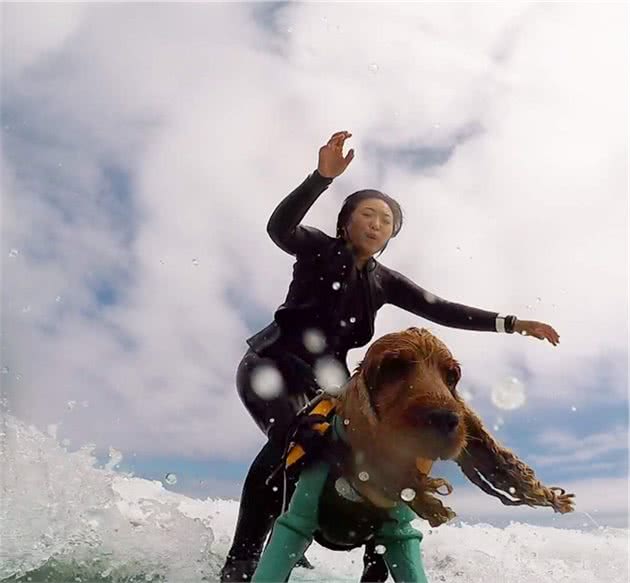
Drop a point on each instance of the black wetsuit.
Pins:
(336, 304)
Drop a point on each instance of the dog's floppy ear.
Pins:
(497, 471)
(387, 366)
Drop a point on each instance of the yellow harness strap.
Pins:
(326, 408)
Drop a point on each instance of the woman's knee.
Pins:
(262, 388)
(247, 377)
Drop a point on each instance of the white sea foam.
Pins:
(62, 515)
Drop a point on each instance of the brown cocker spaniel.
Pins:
(402, 411)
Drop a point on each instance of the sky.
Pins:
(144, 147)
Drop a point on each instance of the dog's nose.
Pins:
(443, 420)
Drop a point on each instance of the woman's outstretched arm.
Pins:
(405, 294)
(284, 225)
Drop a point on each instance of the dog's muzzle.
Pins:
(444, 421)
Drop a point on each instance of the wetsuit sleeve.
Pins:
(402, 546)
(284, 224)
(405, 294)
(293, 531)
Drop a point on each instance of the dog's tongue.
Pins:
(424, 465)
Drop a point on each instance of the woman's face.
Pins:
(370, 226)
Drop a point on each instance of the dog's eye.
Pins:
(393, 369)
(452, 377)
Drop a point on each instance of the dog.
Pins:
(399, 412)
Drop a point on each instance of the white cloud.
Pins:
(215, 119)
(571, 448)
(31, 32)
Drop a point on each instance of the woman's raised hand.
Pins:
(332, 162)
(538, 330)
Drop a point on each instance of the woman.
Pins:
(337, 288)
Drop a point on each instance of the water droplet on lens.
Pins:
(380, 549)
(330, 375)
(512, 490)
(58, 299)
(71, 405)
(466, 394)
(408, 494)
(344, 489)
(346, 421)
(364, 476)
(343, 323)
(373, 67)
(195, 261)
(574, 408)
(352, 319)
(267, 382)
(13, 253)
(429, 297)
(509, 394)
(336, 285)
(170, 478)
(4, 370)
(314, 341)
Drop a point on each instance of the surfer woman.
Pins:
(337, 288)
